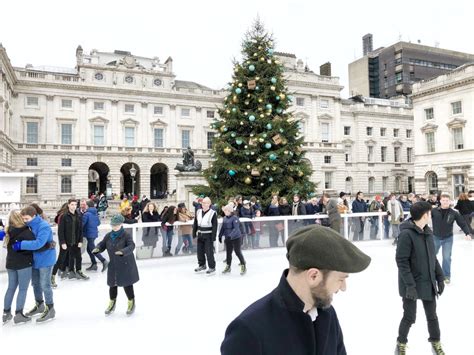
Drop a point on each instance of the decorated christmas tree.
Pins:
(257, 148)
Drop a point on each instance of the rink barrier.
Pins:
(137, 229)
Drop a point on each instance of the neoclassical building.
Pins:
(444, 129)
(119, 122)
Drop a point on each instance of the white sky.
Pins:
(203, 36)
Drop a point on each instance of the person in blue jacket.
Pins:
(43, 262)
(90, 224)
(231, 231)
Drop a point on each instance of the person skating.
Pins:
(90, 224)
(359, 206)
(205, 230)
(420, 276)
(395, 216)
(297, 317)
(167, 225)
(122, 270)
(230, 229)
(70, 239)
(185, 231)
(43, 261)
(102, 205)
(443, 218)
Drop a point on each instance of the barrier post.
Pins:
(346, 226)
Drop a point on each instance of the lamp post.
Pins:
(133, 172)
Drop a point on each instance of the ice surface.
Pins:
(179, 312)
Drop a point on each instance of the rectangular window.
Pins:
(458, 182)
(429, 113)
(369, 131)
(158, 135)
(324, 103)
(158, 110)
(396, 154)
(210, 139)
(129, 136)
(66, 103)
(370, 153)
(98, 106)
(300, 101)
(325, 132)
(395, 132)
(66, 184)
(327, 159)
(99, 138)
(456, 107)
(210, 114)
(32, 132)
(347, 130)
(458, 138)
(383, 154)
(328, 180)
(430, 142)
(31, 161)
(383, 132)
(185, 138)
(185, 112)
(398, 77)
(32, 101)
(66, 133)
(409, 155)
(408, 133)
(129, 108)
(31, 185)
(66, 162)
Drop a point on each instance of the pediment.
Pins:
(429, 127)
(130, 121)
(370, 142)
(29, 117)
(348, 141)
(456, 122)
(325, 116)
(397, 143)
(99, 119)
(301, 115)
(158, 122)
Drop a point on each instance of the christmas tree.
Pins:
(257, 148)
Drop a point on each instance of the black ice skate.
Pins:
(6, 317)
(211, 271)
(20, 318)
(200, 268)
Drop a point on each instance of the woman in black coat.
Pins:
(465, 208)
(150, 214)
(122, 271)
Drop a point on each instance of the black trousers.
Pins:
(233, 245)
(75, 258)
(113, 291)
(409, 317)
(62, 262)
(205, 249)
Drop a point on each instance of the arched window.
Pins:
(432, 182)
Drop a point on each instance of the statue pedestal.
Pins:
(184, 183)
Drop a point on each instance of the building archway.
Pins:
(431, 182)
(130, 184)
(98, 178)
(158, 180)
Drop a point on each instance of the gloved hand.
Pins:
(119, 253)
(95, 251)
(440, 287)
(220, 239)
(16, 246)
(63, 246)
(411, 293)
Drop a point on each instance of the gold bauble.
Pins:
(248, 95)
(228, 111)
(246, 113)
(260, 100)
(277, 61)
(284, 141)
(260, 47)
(274, 168)
(272, 88)
(227, 150)
(262, 115)
(262, 59)
(241, 123)
(268, 113)
(267, 168)
(260, 109)
(240, 85)
(257, 78)
(248, 166)
(255, 54)
(282, 96)
(248, 180)
(223, 129)
(261, 140)
(300, 173)
(286, 152)
(246, 102)
(269, 61)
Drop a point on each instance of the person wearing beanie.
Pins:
(122, 270)
(420, 276)
(297, 316)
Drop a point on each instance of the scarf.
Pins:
(115, 234)
(394, 208)
(295, 208)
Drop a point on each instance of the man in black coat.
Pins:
(297, 317)
(419, 275)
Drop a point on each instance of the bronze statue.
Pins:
(188, 162)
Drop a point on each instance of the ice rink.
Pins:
(179, 312)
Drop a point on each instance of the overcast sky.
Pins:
(202, 36)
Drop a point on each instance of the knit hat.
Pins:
(181, 205)
(342, 194)
(117, 219)
(323, 248)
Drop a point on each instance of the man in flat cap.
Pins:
(297, 317)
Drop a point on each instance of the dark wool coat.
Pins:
(17, 260)
(277, 325)
(65, 232)
(416, 261)
(122, 270)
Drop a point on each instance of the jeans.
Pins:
(409, 317)
(374, 227)
(386, 224)
(21, 279)
(41, 281)
(395, 231)
(256, 240)
(187, 240)
(447, 245)
(233, 245)
(90, 247)
(205, 248)
(169, 238)
(359, 224)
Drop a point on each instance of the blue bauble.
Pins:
(231, 172)
(215, 177)
(238, 141)
(264, 135)
(238, 90)
(272, 157)
(251, 118)
(279, 110)
(257, 88)
(247, 153)
(290, 98)
(268, 106)
(270, 179)
(225, 129)
(282, 130)
(251, 67)
(273, 80)
(234, 110)
(270, 51)
(277, 98)
(269, 126)
(268, 145)
(233, 134)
